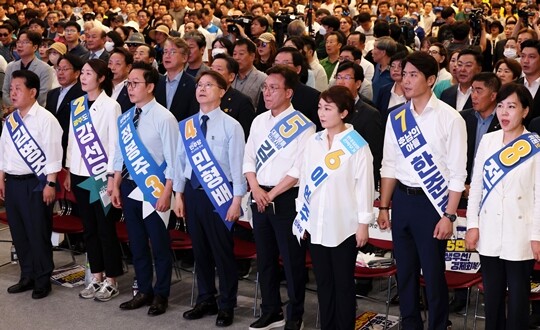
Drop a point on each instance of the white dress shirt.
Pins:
(104, 113)
(46, 131)
(462, 98)
(533, 88)
(510, 217)
(444, 130)
(287, 162)
(321, 82)
(395, 99)
(117, 89)
(369, 69)
(345, 199)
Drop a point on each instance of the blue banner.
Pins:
(283, 133)
(147, 174)
(418, 153)
(206, 167)
(506, 159)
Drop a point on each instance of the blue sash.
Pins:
(27, 147)
(92, 152)
(347, 146)
(206, 167)
(147, 174)
(419, 155)
(283, 133)
(506, 159)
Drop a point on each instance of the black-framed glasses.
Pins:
(133, 84)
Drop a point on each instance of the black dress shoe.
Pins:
(40, 293)
(201, 309)
(24, 284)
(294, 325)
(159, 306)
(224, 318)
(138, 301)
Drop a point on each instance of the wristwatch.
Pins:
(51, 184)
(451, 217)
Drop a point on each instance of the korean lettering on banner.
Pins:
(210, 174)
(27, 146)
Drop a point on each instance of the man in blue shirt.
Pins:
(212, 238)
(158, 131)
(383, 50)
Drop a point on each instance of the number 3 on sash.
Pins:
(153, 181)
(293, 122)
(190, 131)
(401, 115)
(80, 105)
(514, 153)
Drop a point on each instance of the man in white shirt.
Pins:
(274, 188)
(459, 96)
(120, 63)
(424, 204)
(321, 81)
(530, 63)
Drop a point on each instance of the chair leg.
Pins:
(476, 308)
(175, 266)
(387, 302)
(193, 283)
(466, 308)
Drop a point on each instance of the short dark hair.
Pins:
(339, 36)
(489, 79)
(290, 76)
(331, 21)
(73, 24)
(522, 93)
(512, 64)
(447, 12)
(102, 70)
(297, 57)
(74, 60)
(34, 37)
(8, 27)
(381, 28)
(297, 41)
(150, 74)
(358, 70)
(308, 41)
(531, 43)
(31, 80)
(221, 82)
(460, 30)
(38, 22)
(363, 17)
(342, 97)
(225, 42)
(196, 36)
(232, 65)
(423, 62)
(251, 47)
(442, 52)
(356, 53)
(262, 21)
(361, 36)
(478, 58)
(128, 57)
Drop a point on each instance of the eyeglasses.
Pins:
(433, 52)
(171, 52)
(70, 31)
(24, 42)
(205, 86)
(133, 84)
(347, 77)
(343, 58)
(4, 35)
(59, 69)
(262, 44)
(272, 89)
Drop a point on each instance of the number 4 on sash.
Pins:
(191, 131)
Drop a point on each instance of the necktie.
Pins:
(92, 55)
(138, 111)
(194, 181)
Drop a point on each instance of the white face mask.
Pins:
(109, 46)
(216, 51)
(53, 58)
(322, 31)
(510, 53)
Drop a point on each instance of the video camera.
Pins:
(476, 17)
(243, 21)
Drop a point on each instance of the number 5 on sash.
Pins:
(401, 115)
(293, 122)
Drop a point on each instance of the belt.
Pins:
(411, 191)
(267, 188)
(20, 177)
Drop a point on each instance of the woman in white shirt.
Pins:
(102, 246)
(341, 207)
(503, 224)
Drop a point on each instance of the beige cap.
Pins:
(59, 47)
(267, 37)
(161, 28)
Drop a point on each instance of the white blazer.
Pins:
(510, 217)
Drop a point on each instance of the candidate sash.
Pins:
(506, 159)
(27, 147)
(92, 152)
(345, 147)
(147, 174)
(419, 155)
(206, 167)
(283, 133)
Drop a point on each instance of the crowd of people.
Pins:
(161, 110)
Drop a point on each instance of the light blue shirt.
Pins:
(226, 140)
(171, 86)
(158, 130)
(481, 127)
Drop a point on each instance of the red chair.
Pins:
(121, 233)
(64, 222)
(4, 221)
(388, 272)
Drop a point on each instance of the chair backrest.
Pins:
(381, 244)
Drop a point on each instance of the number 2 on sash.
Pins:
(514, 153)
(190, 131)
(401, 115)
(294, 123)
(80, 105)
(153, 181)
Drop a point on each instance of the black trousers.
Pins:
(499, 274)
(102, 246)
(141, 232)
(413, 221)
(30, 223)
(334, 274)
(213, 248)
(274, 237)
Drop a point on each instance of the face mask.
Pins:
(216, 51)
(322, 31)
(510, 53)
(53, 58)
(109, 46)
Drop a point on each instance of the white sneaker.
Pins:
(90, 291)
(107, 292)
